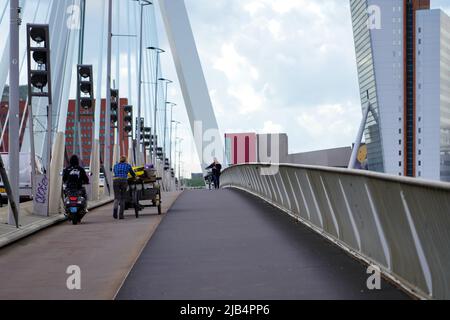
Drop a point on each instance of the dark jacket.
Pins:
(74, 177)
(216, 168)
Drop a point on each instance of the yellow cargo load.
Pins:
(148, 175)
(139, 171)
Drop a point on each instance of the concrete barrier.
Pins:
(400, 224)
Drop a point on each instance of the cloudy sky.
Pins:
(270, 65)
(278, 66)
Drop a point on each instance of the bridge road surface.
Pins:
(226, 244)
(105, 249)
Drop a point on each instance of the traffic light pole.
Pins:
(107, 149)
(14, 147)
(77, 134)
(49, 116)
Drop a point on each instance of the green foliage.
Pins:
(194, 183)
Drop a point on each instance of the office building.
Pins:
(86, 131)
(240, 148)
(244, 148)
(402, 52)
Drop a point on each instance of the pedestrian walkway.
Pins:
(226, 244)
(105, 250)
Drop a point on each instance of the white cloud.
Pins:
(230, 62)
(219, 110)
(271, 127)
(283, 65)
(254, 6)
(330, 125)
(249, 100)
(268, 62)
(276, 30)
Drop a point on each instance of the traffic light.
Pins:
(38, 54)
(141, 128)
(114, 106)
(147, 136)
(128, 119)
(166, 164)
(154, 141)
(159, 153)
(85, 87)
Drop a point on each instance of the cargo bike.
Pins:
(144, 191)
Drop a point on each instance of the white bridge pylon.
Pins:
(195, 92)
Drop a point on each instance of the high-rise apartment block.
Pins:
(403, 60)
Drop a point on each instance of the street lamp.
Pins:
(171, 104)
(158, 51)
(167, 81)
(142, 3)
(180, 140)
(175, 148)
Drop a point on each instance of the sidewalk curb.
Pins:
(23, 232)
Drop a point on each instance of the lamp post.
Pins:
(158, 52)
(175, 147)
(171, 104)
(142, 3)
(107, 149)
(167, 81)
(179, 160)
(76, 148)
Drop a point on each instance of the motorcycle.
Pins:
(75, 205)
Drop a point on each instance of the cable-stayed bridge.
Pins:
(82, 77)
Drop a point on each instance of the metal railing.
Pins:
(401, 225)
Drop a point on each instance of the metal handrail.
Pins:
(355, 172)
(399, 224)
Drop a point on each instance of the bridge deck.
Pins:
(228, 245)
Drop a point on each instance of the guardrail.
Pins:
(401, 225)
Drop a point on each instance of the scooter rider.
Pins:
(74, 176)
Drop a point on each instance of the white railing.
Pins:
(401, 225)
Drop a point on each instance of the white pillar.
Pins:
(56, 166)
